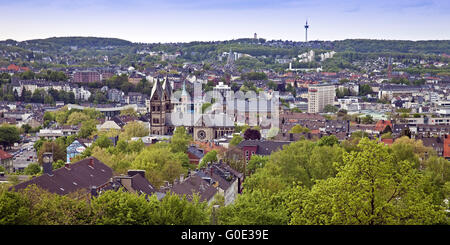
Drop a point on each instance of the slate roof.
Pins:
(166, 87)
(194, 184)
(157, 90)
(80, 175)
(141, 185)
(196, 152)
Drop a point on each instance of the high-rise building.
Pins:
(320, 95)
(86, 77)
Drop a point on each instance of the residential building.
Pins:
(89, 174)
(86, 77)
(75, 149)
(320, 95)
(6, 161)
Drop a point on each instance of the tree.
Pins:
(272, 85)
(209, 157)
(255, 208)
(160, 163)
(180, 140)
(239, 129)
(133, 129)
(103, 142)
(122, 208)
(59, 153)
(76, 118)
(410, 150)
(256, 162)
(32, 169)
(328, 140)
(368, 119)
(26, 128)
(48, 99)
(370, 188)
(129, 112)
(173, 210)
(14, 209)
(236, 140)
(330, 108)
(364, 90)
(87, 128)
(252, 134)
(9, 134)
(359, 135)
(52, 209)
(297, 129)
(58, 164)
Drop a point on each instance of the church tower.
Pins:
(160, 106)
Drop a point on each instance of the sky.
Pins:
(152, 21)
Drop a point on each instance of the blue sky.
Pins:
(212, 20)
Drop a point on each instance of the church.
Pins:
(203, 127)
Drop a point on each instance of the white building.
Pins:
(320, 95)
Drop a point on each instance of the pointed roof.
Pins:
(167, 88)
(157, 89)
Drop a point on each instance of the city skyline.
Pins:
(199, 20)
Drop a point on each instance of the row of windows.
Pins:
(158, 108)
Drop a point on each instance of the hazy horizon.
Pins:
(218, 20)
(229, 39)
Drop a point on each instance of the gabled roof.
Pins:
(167, 88)
(195, 184)
(110, 125)
(382, 124)
(157, 90)
(142, 185)
(4, 155)
(195, 152)
(80, 175)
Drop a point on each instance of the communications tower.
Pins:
(306, 31)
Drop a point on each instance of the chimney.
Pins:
(91, 162)
(181, 178)
(291, 137)
(67, 165)
(47, 168)
(94, 191)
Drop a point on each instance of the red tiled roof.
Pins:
(315, 131)
(446, 146)
(13, 67)
(4, 155)
(381, 125)
(387, 141)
